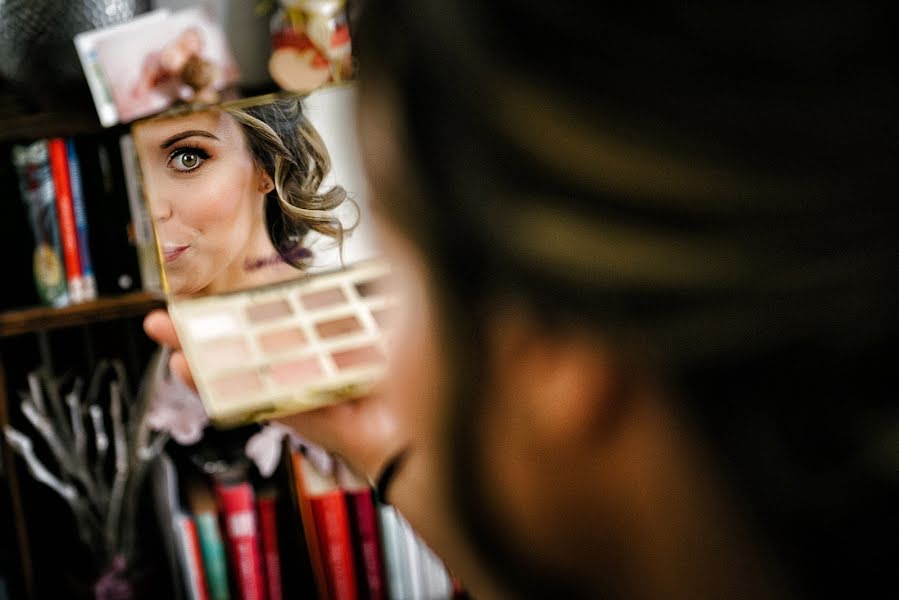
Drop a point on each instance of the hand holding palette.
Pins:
(279, 307)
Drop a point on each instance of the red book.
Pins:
(242, 532)
(300, 465)
(68, 233)
(366, 535)
(332, 524)
(268, 524)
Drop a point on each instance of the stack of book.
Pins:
(50, 184)
(322, 534)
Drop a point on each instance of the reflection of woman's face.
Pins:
(206, 198)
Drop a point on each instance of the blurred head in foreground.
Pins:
(654, 259)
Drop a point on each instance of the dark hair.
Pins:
(286, 145)
(715, 189)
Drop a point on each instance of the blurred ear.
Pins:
(562, 385)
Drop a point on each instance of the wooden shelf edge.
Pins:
(44, 318)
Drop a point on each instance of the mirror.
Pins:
(254, 192)
(268, 258)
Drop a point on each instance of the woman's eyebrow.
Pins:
(186, 134)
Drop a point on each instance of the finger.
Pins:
(178, 365)
(159, 327)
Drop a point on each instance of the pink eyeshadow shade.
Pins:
(357, 357)
(323, 299)
(296, 371)
(223, 353)
(337, 327)
(274, 342)
(237, 384)
(267, 311)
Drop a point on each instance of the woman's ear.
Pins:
(563, 384)
(265, 182)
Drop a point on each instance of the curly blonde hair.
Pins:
(288, 148)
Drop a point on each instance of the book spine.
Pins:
(394, 553)
(413, 566)
(84, 253)
(36, 186)
(60, 168)
(268, 520)
(214, 561)
(242, 533)
(332, 523)
(309, 527)
(364, 520)
(191, 563)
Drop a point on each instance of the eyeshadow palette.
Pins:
(290, 346)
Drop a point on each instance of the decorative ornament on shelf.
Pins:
(310, 44)
(98, 475)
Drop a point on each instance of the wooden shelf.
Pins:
(14, 128)
(44, 318)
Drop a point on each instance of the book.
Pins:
(333, 526)
(327, 505)
(268, 524)
(368, 556)
(394, 545)
(299, 465)
(32, 164)
(242, 533)
(81, 230)
(191, 561)
(141, 229)
(299, 580)
(59, 167)
(215, 564)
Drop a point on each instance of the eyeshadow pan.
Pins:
(276, 309)
(281, 340)
(323, 298)
(357, 357)
(225, 353)
(372, 287)
(296, 371)
(336, 327)
(237, 384)
(207, 327)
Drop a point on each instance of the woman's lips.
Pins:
(172, 253)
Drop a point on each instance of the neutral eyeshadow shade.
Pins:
(281, 340)
(338, 327)
(357, 357)
(323, 299)
(225, 353)
(276, 309)
(212, 325)
(296, 371)
(237, 384)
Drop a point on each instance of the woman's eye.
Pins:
(187, 160)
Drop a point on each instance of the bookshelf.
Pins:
(69, 340)
(42, 318)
